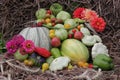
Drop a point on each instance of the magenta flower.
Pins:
(28, 46)
(19, 39)
(11, 46)
(22, 51)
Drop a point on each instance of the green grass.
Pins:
(2, 44)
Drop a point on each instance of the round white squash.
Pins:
(39, 35)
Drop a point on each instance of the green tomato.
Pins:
(40, 14)
(55, 52)
(61, 33)
(56, 8)
(52, 16)
(63, 15)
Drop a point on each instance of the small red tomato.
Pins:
(53, 19)
(74, 30)
(70, 35)
(39, 24)
(90, 66)
(49, 12)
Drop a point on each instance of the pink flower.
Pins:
(79, 13)
(28, 46)
(90, 15)
(11, 46)
(98, 24)
(22, 51)
(19, 39)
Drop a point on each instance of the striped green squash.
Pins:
(39, 35)
(75, 50)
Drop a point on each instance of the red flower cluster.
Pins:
(90, 16)
(79, 13)
(98, 24)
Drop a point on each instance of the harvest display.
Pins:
(59, 40)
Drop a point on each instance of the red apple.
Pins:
(78, 35)
(70, 35)
(55, 42)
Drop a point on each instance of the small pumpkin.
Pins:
(61, 33)
(39, 35)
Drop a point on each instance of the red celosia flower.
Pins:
(42, 52)
(79, 13)
(98, 24)
(90, 15)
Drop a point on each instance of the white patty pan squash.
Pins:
(89, 40)
(59, 63)
(75, 50)
(39, 35)
(85, 31)
(99, 48)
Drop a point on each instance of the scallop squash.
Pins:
(75, 50)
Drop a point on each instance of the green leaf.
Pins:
(0, 35)
(2, 44)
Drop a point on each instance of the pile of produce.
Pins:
(59, 40)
